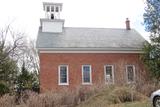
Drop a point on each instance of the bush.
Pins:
(124, 94)
(3, 89)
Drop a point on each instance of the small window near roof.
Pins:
(57, 9)
(63, 75)
(48, 8)
(52, 8)
(130, 70)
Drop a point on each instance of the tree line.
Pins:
(19, 63)
(151, 56)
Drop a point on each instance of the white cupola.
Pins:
(52, 21)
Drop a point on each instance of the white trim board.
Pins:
(47, 51)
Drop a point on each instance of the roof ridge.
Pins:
(96, 28)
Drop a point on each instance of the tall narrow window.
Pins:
(63, 75)
(52, 8)
(86, 74)
(109, 74)
(48, 8)
(57, 9)
(130, 70)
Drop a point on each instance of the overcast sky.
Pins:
(24, 15)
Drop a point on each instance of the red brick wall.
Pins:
(49, 63)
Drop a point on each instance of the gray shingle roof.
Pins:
(91, 38)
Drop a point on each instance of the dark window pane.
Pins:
(52, 16)
(87, 80)
(63, 80)
(48, 8)
(130, 73)
(63, 68)
(63, 74)
(86, 74)
(52, 9)
(109, 77)
(109, 70)
(86, 68)
(57, 9)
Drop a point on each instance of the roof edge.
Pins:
(89, 50)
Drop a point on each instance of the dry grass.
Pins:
(110, 96)
(52, 99)
(7, 101)
(114, 97)
(145, 103)
(64, 98)
(147, 88)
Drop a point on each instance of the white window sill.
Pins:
(86, 83)
(63, 84)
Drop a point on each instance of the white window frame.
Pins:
(134, 74)
(87, 83)
(112, 74)
(59, 83)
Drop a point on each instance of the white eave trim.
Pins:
(87, 50)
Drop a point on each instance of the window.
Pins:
(130, 70)
(57, 9)
(52, 8)
(109, 74)
(86, 74)
(63, 75)
(52, 16)
(48, 8)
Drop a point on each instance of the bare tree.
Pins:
(15, 50)
(30, 57)
(11, 45)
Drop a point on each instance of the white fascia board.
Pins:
(87, 50)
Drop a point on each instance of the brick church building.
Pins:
(77, 56)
